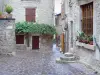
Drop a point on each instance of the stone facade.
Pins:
(44, 40)
(44, 10)
(73, 12)
(58, 23)
(7, 36)
(44, 14)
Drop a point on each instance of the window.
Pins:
(30, 14)
(19, 39)
(87, 18)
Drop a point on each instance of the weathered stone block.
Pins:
(7, 36)
(21, 47)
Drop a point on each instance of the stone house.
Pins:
(58, 24)
(83, 15)
(59, 28)
(40, 11)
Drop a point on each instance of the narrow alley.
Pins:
(40, 62)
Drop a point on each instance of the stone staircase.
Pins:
(67, 58)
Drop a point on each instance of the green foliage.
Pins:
(30, 27)
(22, 27)
(8, 9)
(81, 36)
(84, 38)
(0, 13)
(91, 38)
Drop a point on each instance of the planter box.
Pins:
(87, 46)
(79, 44)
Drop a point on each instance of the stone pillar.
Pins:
(96, 26)
(7, 36)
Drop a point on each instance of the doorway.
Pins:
(35, 42)
(71, 34)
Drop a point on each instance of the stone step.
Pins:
(58, 60)
(68, 54)
(72, 58)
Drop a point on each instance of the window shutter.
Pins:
(30, 14)
(87, 18)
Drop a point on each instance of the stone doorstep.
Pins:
(67, 58)
(72, 58)
(68, 54)
(58, 60)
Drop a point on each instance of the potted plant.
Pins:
(91, 40)
(81, 37)
(0, 14)
(9, 9)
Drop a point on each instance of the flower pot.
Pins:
(80, 40)
(85, 41)
(1, 16)
(91, 42)
(9, 15)
(88, 46)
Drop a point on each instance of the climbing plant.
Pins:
(30, 27)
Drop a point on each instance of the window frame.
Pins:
(87, 18)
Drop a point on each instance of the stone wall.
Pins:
(58, 24)
(7, 36)
(97, 19)
(44, 40)
(74, 14)
(87, 57)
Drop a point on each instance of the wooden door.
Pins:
(35, 42)
(30, 14)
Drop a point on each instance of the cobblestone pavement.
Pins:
(39, 62)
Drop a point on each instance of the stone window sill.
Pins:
(87, 46)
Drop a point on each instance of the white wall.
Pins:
(44, 10)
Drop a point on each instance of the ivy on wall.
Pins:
(30, 27)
